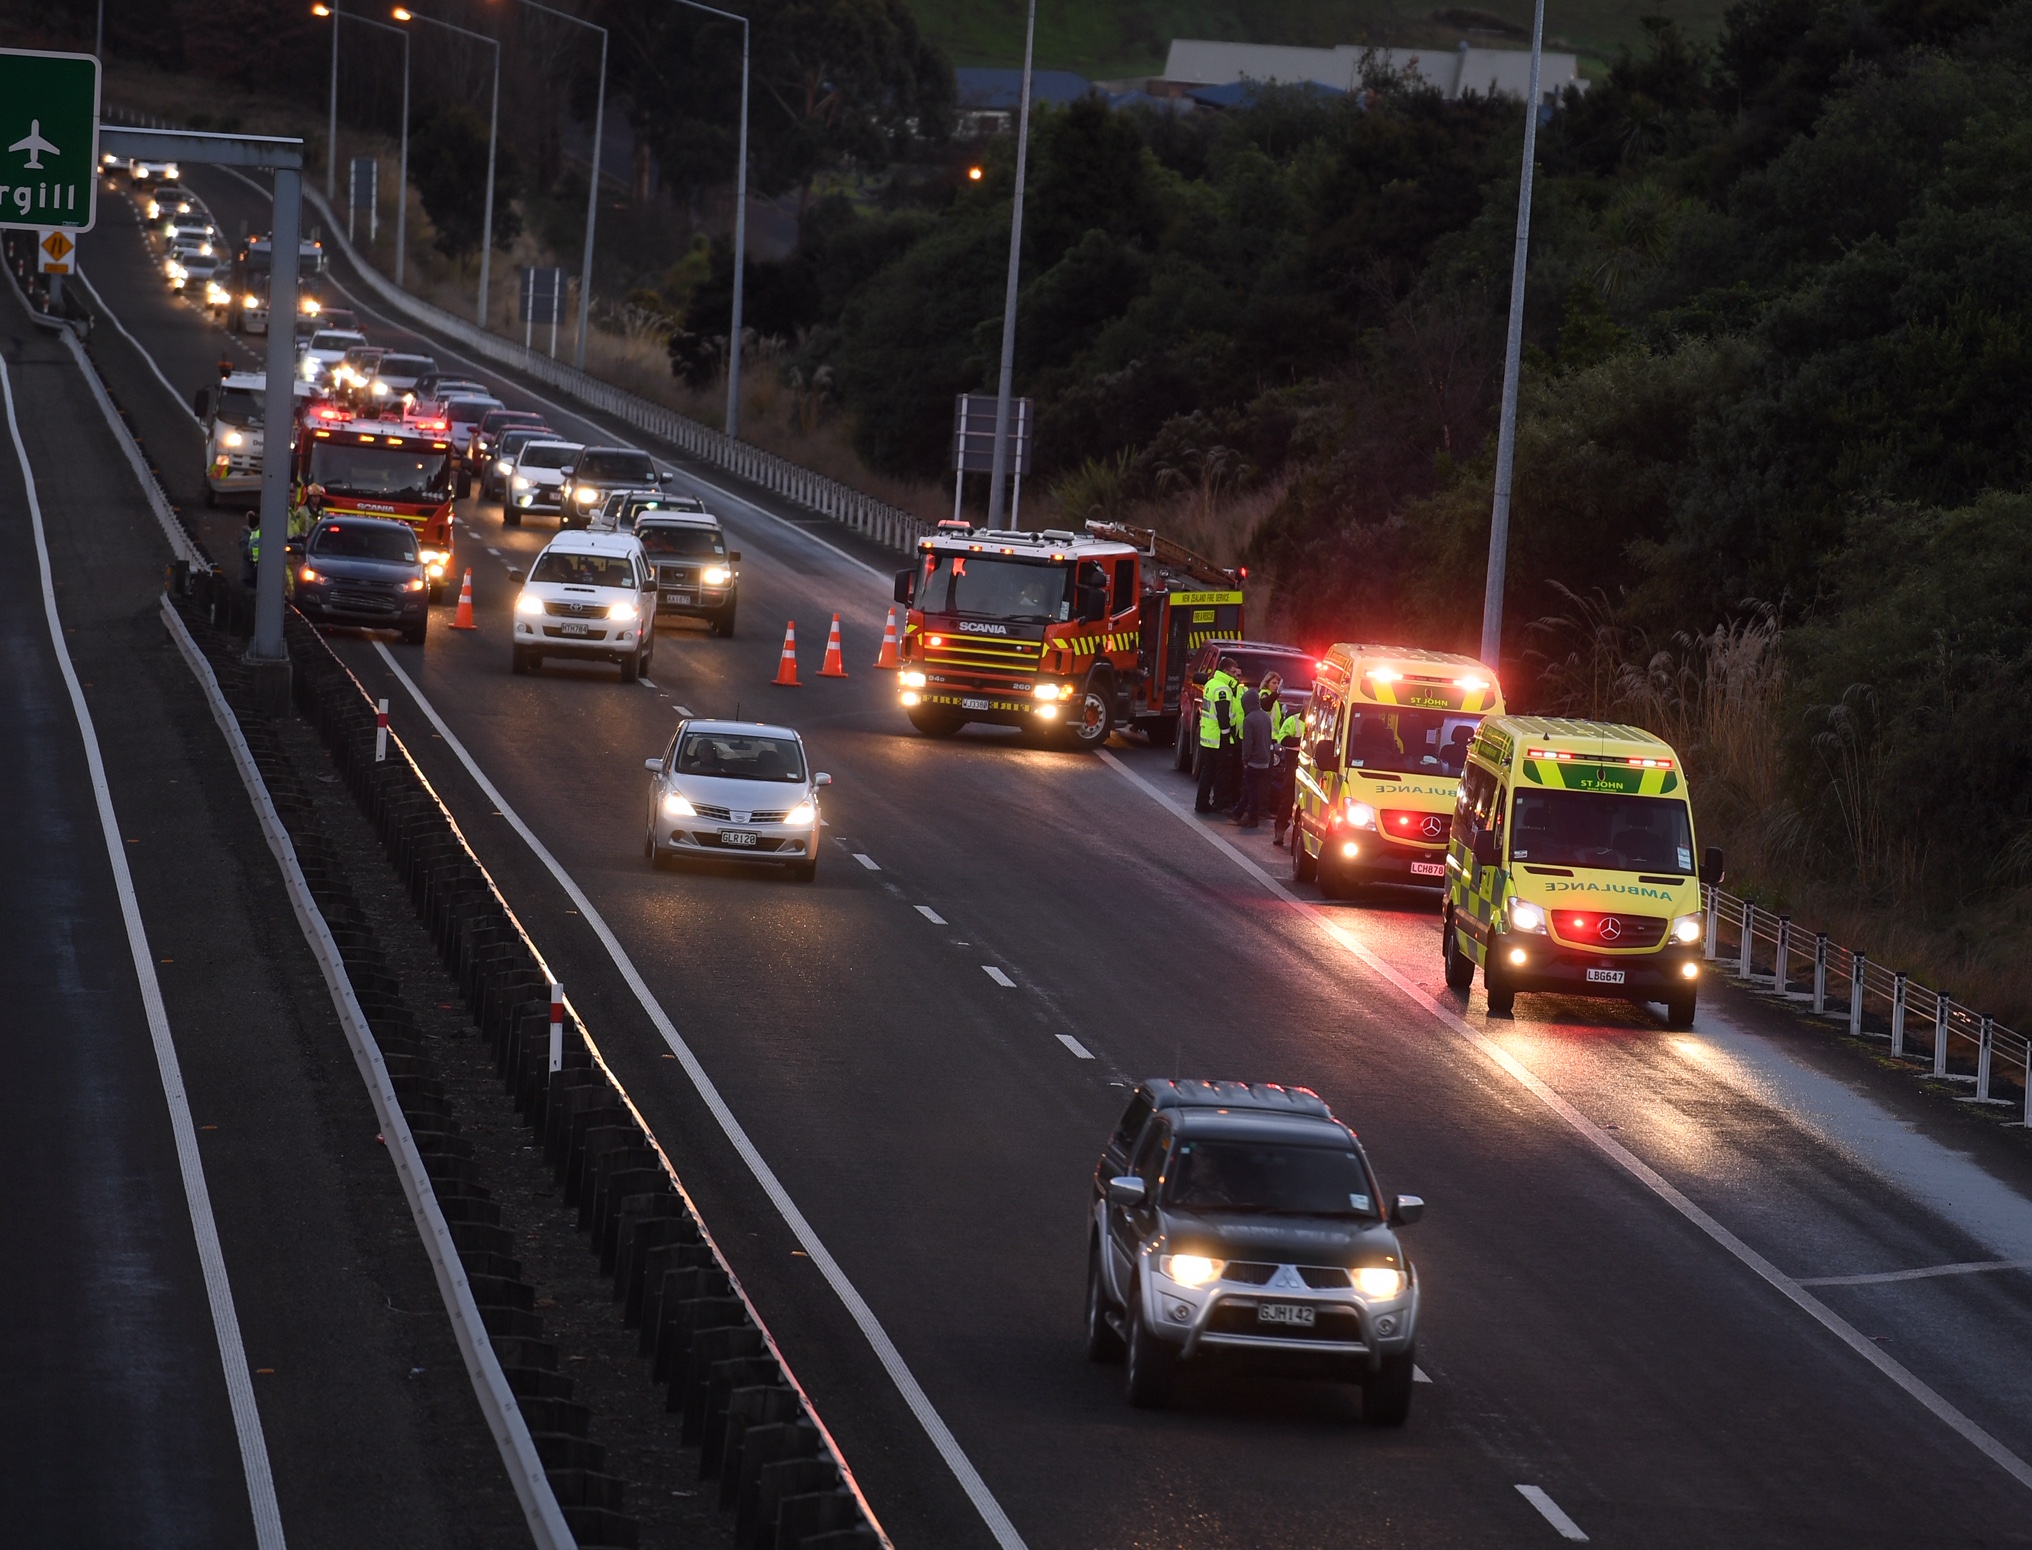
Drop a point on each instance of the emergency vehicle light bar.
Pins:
(1633, 762)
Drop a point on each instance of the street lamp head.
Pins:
(320, 10)
(975, 173)
(402, 15)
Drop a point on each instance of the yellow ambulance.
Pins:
(1570, 866)
(1387, 733)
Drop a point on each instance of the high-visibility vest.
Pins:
(1216, 703)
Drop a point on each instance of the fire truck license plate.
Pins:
(1428, 869)
(976, 705)
(575, 627)
(737, 837)
(1295, 1313)
(1605, 976)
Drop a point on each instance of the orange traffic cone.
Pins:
(888, 658)
(463, 619)
(833, 666)
(786, 670)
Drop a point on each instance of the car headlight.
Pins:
(585, 496)
(521, 483)
(529, 605)
(717, 575)
(205, 249)
(504, 467)
(1190, 1269)
(1688, 928)
(622, 611)
(250, 301)
(1526, 916)
(232, 438)
(1361, 815)
(1379, 1281)
(379, 389)
(801, 814)
(677, 807)
(307, 574)
(913, 680)
(414, 584)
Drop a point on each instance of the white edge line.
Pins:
(526, 1472)
(1552, 1512)
(1075, 1046)
(267, 1514)
(1930, 1400)
(807, 1236)
(114, 318)
(1966, 1268)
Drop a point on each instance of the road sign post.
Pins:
(49, 140)
(974, 416)
(363, 189)
(542, 301)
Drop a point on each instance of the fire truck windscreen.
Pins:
(397, 473)
(996, 587)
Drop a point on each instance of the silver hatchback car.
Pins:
(735, 791)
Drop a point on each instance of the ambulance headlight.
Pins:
(1361, 815)
(1526, 916)
(1688, 928)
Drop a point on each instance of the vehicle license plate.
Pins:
(1605, 976)
(976, 705)
(575, 627)
(737, 837)
(1428, 869)
(677, 597)
(1297, 1314)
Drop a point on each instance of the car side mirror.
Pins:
(1405, 1209)
(1325, 756)
(1201, 678)
(294, 549)
(648, 583)
(1126, 1191)
(665, 478)
(1093, 604)
(1485, 851)
(566, 473)
(821, 779)
(1712, 872)
(906, 582)
(653, 766)
(516, 575)
(202, 403)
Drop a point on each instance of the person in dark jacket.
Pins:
(1256, 764)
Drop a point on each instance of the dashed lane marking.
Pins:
(1072, 1044)
(931, 914)
(867, 861)
(647, 684)
(1418, 1375)
(998, 976)
(1550, 1510)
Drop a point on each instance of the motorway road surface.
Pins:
(1617, 1214)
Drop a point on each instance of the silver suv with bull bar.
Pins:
(1241, 1222)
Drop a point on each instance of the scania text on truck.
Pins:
(1385, 742)
(381, 468)
(1570, 867)
(1059, 633)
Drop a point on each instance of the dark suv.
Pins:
(597, 473)
(1241, 1222)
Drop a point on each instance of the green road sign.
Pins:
(49, 139)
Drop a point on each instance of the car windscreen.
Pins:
(468, 411)
(516, 438)
(680, 542)
(994, 588)
(364, 541)
(242, 406)
(1295, 671)
(553, 455)
(406, 365)
(1601, 829)
(584, 570)
(340, 342)
(1409, 742)
(393, 472)
(1269, 1177)
(740, 756)
(621, 467)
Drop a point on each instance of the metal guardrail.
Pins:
(1926, 1027)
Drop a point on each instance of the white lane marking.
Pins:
(931, 914)
(1551, 1512)
(483, 1367)
(211, 1257)
(807, 1236)
(1966, 1268)
(1075, 1046)
(998, 976)
(867, 861)
(647, 684)
(147, 359)
(1793, 1291)
(1418, 1374)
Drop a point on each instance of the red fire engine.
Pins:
(380, 468)
(1060, 633)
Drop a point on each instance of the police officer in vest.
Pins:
(1216, 717)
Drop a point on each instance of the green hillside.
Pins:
(1110, 38)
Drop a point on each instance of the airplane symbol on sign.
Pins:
(35, 145)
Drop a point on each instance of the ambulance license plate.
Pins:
(737, 837)
(1428, 869)
(1297, 1314)
(977, 705)
(1605, 976)
(576, 627)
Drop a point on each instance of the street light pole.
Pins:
(1506, 438)
(332, 132)
(740, 227)
(593, 183)
(99, 36)
(1000, 472)
(404, 14)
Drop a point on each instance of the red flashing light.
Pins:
(1243, 573)
(936, 640)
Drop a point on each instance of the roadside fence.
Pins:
(878, 521)
(1926, 1028)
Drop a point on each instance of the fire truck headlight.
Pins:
(800, 815)
(909, 698)
(1051, 692)
(1687, 928)
(1047, 713)
(913, 680)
